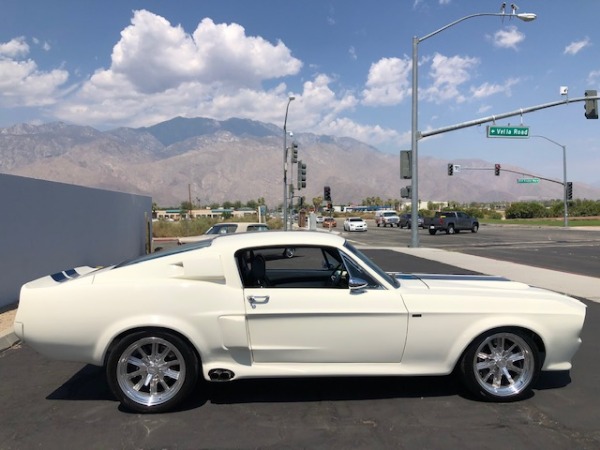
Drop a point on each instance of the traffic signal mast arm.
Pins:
(515, 172)
(493, 118)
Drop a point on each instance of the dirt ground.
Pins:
(7, 317)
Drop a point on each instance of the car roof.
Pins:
(276, 238)
(221, 224)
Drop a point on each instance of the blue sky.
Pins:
(348, 63)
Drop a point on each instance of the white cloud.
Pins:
(388, 82)
(448, 73)
(352, 52)
(155, 56)
(509, 37)
(22, 84)
(487, 89)
(373, 134)
(575, 47)
(160, 71)
(593, 76)
(14, 48)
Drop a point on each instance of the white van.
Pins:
(387, 217)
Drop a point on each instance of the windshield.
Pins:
(163, 253)
(369, 263)
(389, 214)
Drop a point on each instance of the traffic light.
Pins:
(405, 164)
(301, 175)
(294, 148)
(591, 106)
(497, 169)
(569, 190)
(450, 169)
(327, 193)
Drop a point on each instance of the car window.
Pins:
(257, 228)
(163, 253)
(222, 229)
(357, 272)
(367, 261)
(308, 267)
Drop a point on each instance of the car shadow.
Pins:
(90, 384)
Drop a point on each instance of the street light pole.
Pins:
(565, 196)
(285, 187)
(416, 135)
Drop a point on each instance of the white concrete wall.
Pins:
(47, 227)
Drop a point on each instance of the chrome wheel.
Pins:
(501, 366)
(152, 372)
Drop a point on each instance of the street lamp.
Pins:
(565, 196)
(416, 135)
(285, 194)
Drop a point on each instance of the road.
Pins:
(53, 405)
(573, 250)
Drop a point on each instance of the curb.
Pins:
(8, 338)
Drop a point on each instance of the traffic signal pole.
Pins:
(519, 112)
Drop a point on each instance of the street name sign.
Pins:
(528, 180)
(507, 132)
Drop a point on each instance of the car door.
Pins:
(303, 317)
(463, 221)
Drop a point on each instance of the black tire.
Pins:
(432, 232)
(500, 365)
(289, 252)
(378, 224)
(450, 229)
(152, 371)
(475, 228)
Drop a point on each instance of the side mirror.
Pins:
(357, 284)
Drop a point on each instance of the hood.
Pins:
(434, 281)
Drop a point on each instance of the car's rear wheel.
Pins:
(500, 365)
(152, 371)
(432, 232)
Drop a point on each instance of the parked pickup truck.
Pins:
(452, 222)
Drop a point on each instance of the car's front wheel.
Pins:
(500, 365)
(152, 371)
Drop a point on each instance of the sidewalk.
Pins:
(566, 283)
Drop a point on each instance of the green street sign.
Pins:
(507, 132)
(528, 180)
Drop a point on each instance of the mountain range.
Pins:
(237, 159)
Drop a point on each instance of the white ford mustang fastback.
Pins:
(234, 307)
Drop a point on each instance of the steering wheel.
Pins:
(337, 275)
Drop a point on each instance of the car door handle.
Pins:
(257, 300)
